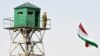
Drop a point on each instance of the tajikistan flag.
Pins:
(84, 36)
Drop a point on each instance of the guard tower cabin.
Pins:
(27, 15)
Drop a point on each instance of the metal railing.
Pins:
(9, 22)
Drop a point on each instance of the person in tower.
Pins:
(44, 20)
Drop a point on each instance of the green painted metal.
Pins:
(27, 15)
(28, 5)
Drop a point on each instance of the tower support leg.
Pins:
(32, 44)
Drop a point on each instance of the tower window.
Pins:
(30, 13)
(20, 13)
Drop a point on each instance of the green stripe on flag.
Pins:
(89, 41)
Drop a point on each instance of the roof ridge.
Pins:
(27, 4)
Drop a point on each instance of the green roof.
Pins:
(27, 5)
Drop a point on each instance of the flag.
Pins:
(84, 36)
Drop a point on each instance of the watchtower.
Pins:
(26, 31)
(27, 15)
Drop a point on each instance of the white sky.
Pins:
(62, 39)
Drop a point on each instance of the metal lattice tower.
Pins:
(26, 40)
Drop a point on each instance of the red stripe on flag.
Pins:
(81, 27)
(86, 44)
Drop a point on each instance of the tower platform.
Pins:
(8, 23)
(36, 28)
